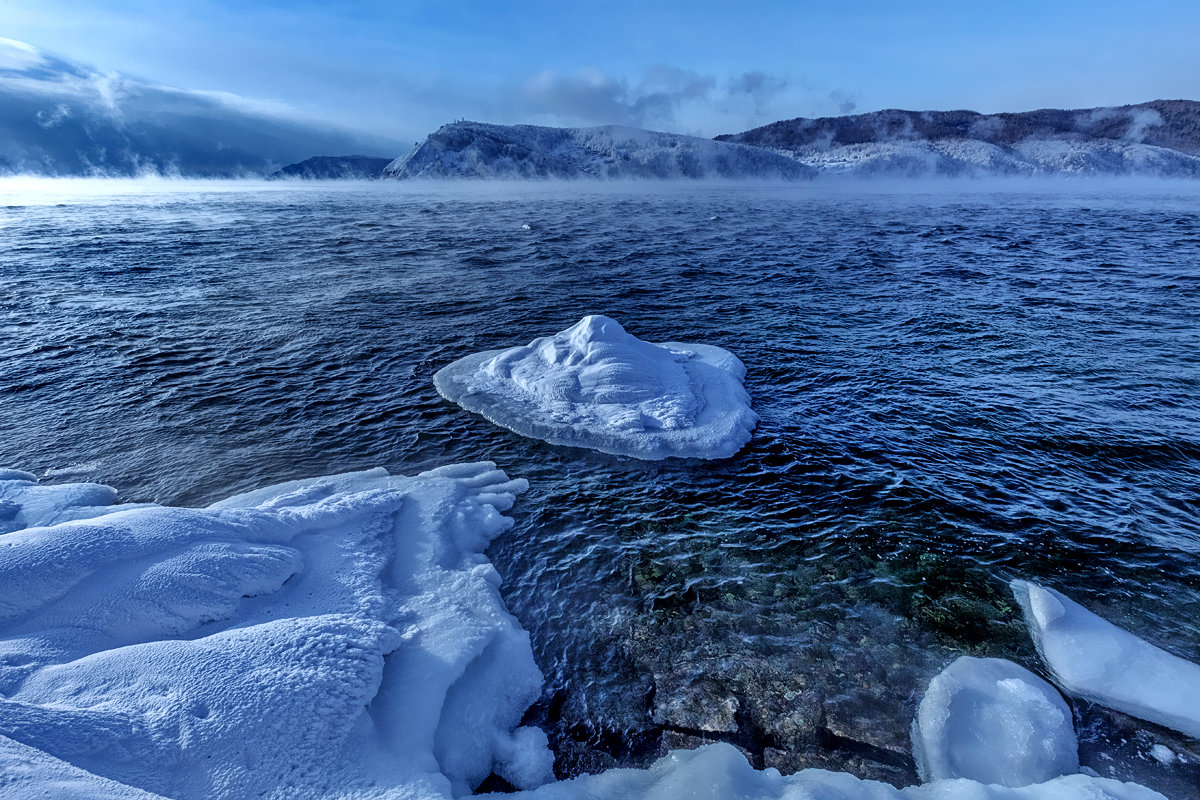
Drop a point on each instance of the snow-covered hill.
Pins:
(1160, 138)
(480, 150)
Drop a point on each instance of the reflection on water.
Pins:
(956, 387)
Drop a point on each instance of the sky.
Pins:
(401, 69)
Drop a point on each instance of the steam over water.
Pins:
(958, 385)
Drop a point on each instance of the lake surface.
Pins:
(958, 384)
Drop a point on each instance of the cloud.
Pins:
(759, 87)
(53, 118)
(663, 98)
(845, 101)
(16, 55)
(61, 117)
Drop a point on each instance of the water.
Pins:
(958, 384)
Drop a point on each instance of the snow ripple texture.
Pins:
(340, 637)
(594, 385)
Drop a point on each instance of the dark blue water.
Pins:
(958, 385)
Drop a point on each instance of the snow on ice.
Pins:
(594, 385)
(327, 638)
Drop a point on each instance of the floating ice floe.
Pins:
(1089, 657)
(993, 721)
(594, 385)
(341, 637)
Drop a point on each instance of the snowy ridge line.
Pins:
(482, 150)
(339, 637)
(1160, 138)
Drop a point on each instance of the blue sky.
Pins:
(400, 69)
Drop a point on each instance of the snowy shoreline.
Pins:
(335, 637)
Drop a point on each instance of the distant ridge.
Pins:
(1161, 138)
(482, 150)
(336, 168)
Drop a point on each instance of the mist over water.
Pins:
(958, 384)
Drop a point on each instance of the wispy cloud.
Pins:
(18, 55)
(663, 97)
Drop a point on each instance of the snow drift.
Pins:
(335, 637)
(594, 385)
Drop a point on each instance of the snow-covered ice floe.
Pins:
(341, 637)
(594, 385)
(993, 721)
(1092, 658)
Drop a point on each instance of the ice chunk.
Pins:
(328, 638)
(993, 721)
(25, 503)
(594, 385)
(1089, 657)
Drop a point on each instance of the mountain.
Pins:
(336, 168)
(480, 150)
(59, 117)
(1159, 138)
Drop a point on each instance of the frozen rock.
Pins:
(594, 385)
(1089, 657)
(995, 722)
(482, 150)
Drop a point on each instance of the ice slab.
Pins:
(594, 385)
(993, 721)
(1089, 657)
(337, 637)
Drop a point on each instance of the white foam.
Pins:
(1089, 657)
(993, 721)
(594, 385)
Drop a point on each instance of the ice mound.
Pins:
(339, 637)
(1091, 658)
(594, 385)
(720, 772)
(996, 722)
